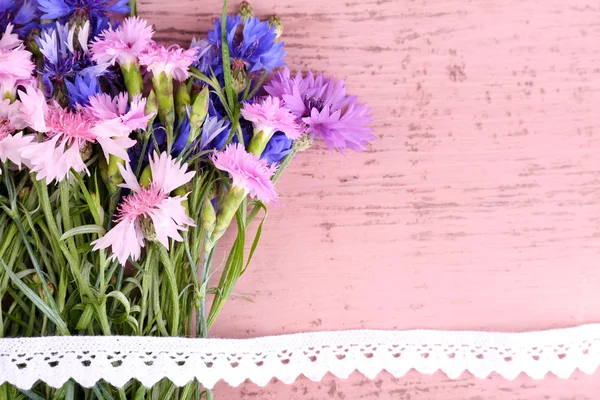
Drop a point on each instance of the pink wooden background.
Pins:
(477, 208)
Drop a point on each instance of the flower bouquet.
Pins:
(125, 161)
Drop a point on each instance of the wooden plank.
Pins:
(477, 207)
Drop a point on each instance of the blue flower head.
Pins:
(212, 127)
(278, 147)
(80, 90)
(65, 60)
(255, 47)
(21, 13)
(209, 57)
(63, 10)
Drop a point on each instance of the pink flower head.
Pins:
(149, 213)
(124, 44)
(16, 66)
(270, 116)
(11, 143)
(247, 172)
(67, 135)
(105, 108)
(174, 61)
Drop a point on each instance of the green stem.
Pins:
(65, 195)
(284, 164)
(174, 292)
(258, 86)
(132, 8)
(201, 323)
(36, 264)
(145, 141)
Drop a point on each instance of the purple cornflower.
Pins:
(322, 104)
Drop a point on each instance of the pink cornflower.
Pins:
(269, 116)
(124, 44)
(247, 171)
(11, 143)
(173, 61)
(68, 137)
(149, 213)
(16, 66)
(133, 115)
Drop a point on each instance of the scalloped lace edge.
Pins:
(118, 359)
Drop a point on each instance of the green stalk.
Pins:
(55, 234)
(65, 195)
(36, 264)
(156, 300)
(174, 293)
(201, 322)
(132, 8)
(146, 283)
(284, 164)
(145, 141)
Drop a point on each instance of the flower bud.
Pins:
(303, 142)
(113, 174)
(98, 204)
(182, 191)
(198, 113)
(148, 229)
(239, 76)
(227, 209)
(208, 216)
(163, 88)
(182, 101)
(246, 10)
(86, 151)
(24, 193)
(275, 21)
(151, 106)
(146, 177)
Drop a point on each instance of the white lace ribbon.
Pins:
(118, 359)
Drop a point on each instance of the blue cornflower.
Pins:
(63, 10)
(65, 58)
(209, 57)
(80, 90)
(255, 47)
(211, 128)
(277, 148)
(21, 13)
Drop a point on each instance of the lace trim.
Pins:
(118, 359)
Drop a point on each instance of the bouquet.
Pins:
(125, 161)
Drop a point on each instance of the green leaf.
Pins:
(80, 230)
(86, 318)
(122, 299)
(61, 326)
(31, 395)
(259, 205)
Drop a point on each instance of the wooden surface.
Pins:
(477, 208)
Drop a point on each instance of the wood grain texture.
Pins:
(477, 208)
